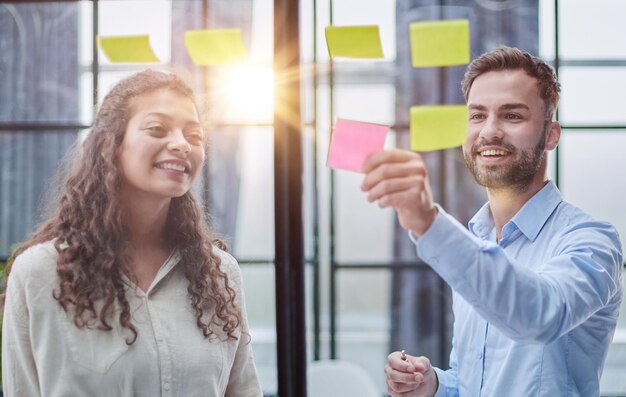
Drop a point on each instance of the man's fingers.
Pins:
(407, 377)
(395, 361)
(396, 387)
(396, 185)
(421, 364)
(387, 156)
(399, 376)
(387, 170)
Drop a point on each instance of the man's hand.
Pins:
(399, 179)
(411, 378)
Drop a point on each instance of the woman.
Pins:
(123, 292)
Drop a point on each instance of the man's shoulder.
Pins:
(568, 214)
(573, 221)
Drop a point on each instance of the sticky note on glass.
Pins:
(212, 47)
(438, 127)
(440, 43)
(354, 41)
(127, 49)
(352, 142)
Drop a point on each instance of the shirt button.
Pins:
(160, 340)
(166, 386)
(480, 355)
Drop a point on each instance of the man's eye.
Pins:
(477, 116)
(512, 116)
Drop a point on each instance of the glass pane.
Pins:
(307, 10)
(259, 289)
(85, 39)
(323, 20)
(311, 213)
(28, 161)
(39, 81)
(546, 29)
(254, 236)
(370, 103)
(593, 95)
(592, 174)
(262, 36)
(600, 36)
(363, 231)
(370, 12)
(258, 282)
(130, 17)
(86, 98)
(364, 320)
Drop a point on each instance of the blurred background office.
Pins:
(365, 291)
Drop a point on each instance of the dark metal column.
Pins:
(288, 191)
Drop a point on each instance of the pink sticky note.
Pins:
(352, 142)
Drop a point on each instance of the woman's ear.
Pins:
(553, 135)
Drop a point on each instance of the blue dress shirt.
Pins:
(535, 312)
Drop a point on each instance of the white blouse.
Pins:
(45, 354)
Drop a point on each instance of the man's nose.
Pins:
(491, 129)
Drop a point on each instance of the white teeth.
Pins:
(493, 153)
(172, 166)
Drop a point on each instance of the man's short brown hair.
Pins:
(510, 58)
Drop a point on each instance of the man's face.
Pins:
(506, 130)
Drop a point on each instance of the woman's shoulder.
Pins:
(37, 264)
(228, 261)
(229, 265)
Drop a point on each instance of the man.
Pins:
(536, 282)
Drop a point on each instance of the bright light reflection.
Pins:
(247, 92)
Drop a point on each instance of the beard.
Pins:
(517, 174)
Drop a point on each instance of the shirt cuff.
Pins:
(443, 379)
(415, 238)
(440, 247)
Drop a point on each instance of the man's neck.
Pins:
(505, 202)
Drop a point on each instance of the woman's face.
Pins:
(162, 150)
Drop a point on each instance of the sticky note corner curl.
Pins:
(361, 41)
(127, 49)
(215, 47)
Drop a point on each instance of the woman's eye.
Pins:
(156, 129)
(196, 139)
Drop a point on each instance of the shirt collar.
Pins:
(164, 270)
(529, 219)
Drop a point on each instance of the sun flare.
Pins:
(247, 92)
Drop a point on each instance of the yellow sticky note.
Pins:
(214, 47)
(127, 49)
(440, 43)
(354, 41)
(438, 127)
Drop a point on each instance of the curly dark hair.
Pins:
(90, 234)
(511, 58)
